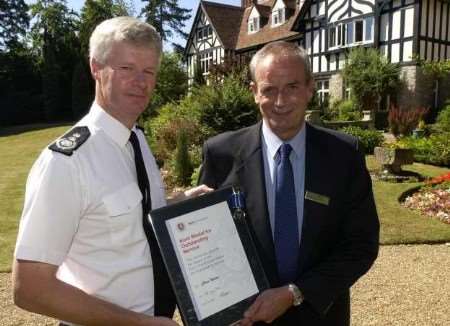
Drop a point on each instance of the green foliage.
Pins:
(163, 129)
(443, 118)
(56, 45)
(20, 88)
(435, 69)
(343, 110)
(207, 111)
(370, 76)
(82, 90)
(402, 121)
(14, 22)
(96, 11)
(172, 83)
(368, 139)
(183, 166)
(226, 106)
(167, 17)
(434, 149)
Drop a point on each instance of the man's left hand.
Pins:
(190, 193)
(268, 306)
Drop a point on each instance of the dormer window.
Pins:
(253, 25)
(278, 17)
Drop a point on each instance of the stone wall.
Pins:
(336, 86)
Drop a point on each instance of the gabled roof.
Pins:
(267, 33)
(224, 19)
(264, 10)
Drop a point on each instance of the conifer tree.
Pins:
(167, 17)
(14, 22)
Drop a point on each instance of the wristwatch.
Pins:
(296, 293)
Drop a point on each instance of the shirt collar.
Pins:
(110, 125)
(273, 142)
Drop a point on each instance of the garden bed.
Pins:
(431, 200)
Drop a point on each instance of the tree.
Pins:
(370, 76)
(167, 17)
(54, 41)
(14, 22)
(172, 83)
(96, 11)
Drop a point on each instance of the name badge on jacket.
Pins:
(317, 198)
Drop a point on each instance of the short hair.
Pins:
(122, 29)
(280, 49)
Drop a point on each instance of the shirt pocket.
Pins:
(123, 202)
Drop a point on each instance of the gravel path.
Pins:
(408, 285)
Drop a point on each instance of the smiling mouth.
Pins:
(281, 112)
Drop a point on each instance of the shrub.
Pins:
(348, 111)
(369, 139)
(162, 131)
(183, 166)
(343, 110)
(433, 150)
(443, 118)
(370, 76)
(226, 106)
(403, 121)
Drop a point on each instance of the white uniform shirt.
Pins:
(83, 213)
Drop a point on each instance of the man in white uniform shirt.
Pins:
(82, 255)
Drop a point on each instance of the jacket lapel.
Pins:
(252, 180)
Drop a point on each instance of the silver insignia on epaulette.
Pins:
(65, 143)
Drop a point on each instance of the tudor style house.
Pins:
(327, 29)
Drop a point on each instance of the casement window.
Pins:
(278, 17)
(204, 32)
(349, 33)
(359, 31)
(206, 59)
(253, 25)
(323, 91)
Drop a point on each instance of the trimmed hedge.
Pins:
(433, 150)
(369, 139)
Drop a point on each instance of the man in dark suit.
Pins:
(309, 196)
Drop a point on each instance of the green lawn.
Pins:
(19, 149)
(399, 224)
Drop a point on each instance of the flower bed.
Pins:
(433, 199)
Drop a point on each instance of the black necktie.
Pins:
(286, 236)
(164, 297)
(142, 177)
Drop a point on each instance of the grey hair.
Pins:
(280, 49)
(122, 29)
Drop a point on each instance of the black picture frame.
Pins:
(158, 218)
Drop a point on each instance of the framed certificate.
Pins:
(210, 257)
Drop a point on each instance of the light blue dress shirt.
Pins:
(270, 144)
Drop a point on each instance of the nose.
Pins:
(280, 99)
(140, 78)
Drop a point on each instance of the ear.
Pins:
(254, 88)
(310, 89)
(95, 68)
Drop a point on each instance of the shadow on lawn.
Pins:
(15, 130)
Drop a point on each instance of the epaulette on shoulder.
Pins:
(73, 139)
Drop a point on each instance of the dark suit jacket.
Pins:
(339, 241)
